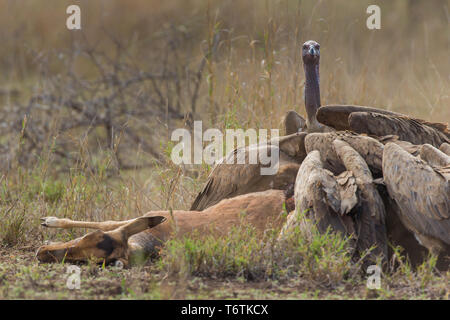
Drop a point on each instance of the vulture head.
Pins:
(311, 52)
(311, 57)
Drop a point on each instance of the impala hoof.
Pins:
(51, 222)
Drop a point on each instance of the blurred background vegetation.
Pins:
(86, 116)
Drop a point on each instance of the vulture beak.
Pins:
(312, 51)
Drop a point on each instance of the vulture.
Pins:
(234, 175)
(348, 203)
(420, 186)
(364, 130)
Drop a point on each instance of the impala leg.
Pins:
(53, 222)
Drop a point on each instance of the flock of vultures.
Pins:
(381, 178)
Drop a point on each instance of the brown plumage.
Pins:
(348, 203)
(434, 157)
(322, 196)
(380, 122)
(230, 180)
(338, 116)
(445, 148)
(398, 234)
(369, 148)
(422, 193)
(408, 146)
(405, 128)
(370, 218)
(293, 122)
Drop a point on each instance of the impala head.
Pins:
(98, 245)
(311, 52)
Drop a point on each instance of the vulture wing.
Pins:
(408, 146)
(433, 156)
(369, 148)
(370, 218)
(318, 195)
(445, 148)
(405, 128)
(421, 191)
(336, 116)
(235, 175)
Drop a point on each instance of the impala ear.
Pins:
(141, 224)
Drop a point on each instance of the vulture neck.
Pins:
(312, 95)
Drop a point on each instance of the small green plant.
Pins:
(243, 252)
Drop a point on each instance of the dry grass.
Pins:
(232, 64)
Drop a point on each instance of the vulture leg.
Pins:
(445, 148)
(369, 148)
(405, 128)
(422, 194)
(370, 218)
(337, 116)
(293, 122)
